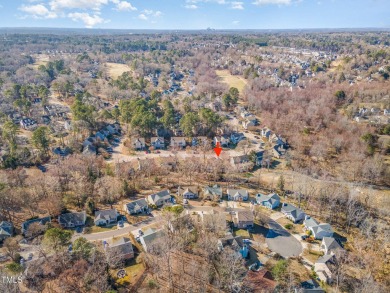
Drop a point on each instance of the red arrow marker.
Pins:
(218, 149)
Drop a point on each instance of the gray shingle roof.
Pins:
(109, 215)
(271, 198)
(137, 204)
(68, 218)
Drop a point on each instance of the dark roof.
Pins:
(240, 159)
(214, 190)
(120, 245)
(106, 215)
(151, 235)
(68, 218)
(234, 241)
(6, 228)
(41, 221)
(137, 204)
(286, 207)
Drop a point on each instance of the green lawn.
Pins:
(241, 232)
(97, 229)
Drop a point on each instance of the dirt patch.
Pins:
(115, 70)
(232, 80)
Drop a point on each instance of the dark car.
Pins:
(304, 237)
(110, 150)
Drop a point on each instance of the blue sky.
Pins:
(195, 14)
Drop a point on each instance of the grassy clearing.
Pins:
(232, 80)
(241, 232)
(40, 60)
(115, 70)
(97, 229)
(312, 255)
(133, 272)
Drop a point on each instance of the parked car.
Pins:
(140, 232)
(138, 239)
(246, 241)
(120, 224)
(30, 256)
(303, 237)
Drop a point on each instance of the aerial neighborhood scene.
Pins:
(194, 146)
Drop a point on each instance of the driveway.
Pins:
(118, 232)
(281, 241)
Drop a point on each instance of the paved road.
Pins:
(117, 232)
(281, 241)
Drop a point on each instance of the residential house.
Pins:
(293, 213)
(178, 142)
(235, 243)
(278, 151)
(112, 129)
(189, 192)
(136, 207)
(321, 268)
(278, 141)
(236, 137)
(160, 198)
(200, 141)
(237, 194)
(241, 163)
(329, 245)
(100, 136)
(266, 132)
(224, 140)
(106, 217)
(239, 160)
(120, 248)
(249, 123)
(321, 230)
(138, 143)
(157, 142)
(27, 123)
(316, 229)
(63, 152)
(243, 219)
(6, 230)
(213, 193)
(271, 201)
(150, 238)
(71, 220)
(38, 221)
(89, 150)
(89, 141)
(245, 114)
